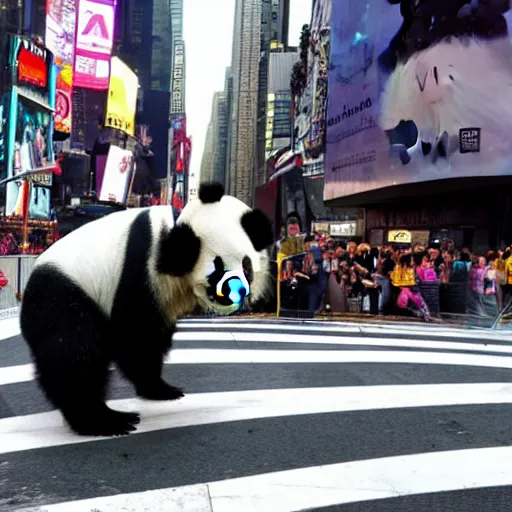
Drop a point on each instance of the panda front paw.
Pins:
(160, 391)
(103, 423)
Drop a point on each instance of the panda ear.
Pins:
(178, 251)
(211, 192)
(258, 228)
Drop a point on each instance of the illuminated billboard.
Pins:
(93, 45)
(29, 144)
(32, 150)
(122, 97)
(419, 99)
(60, 40)
(63, 96)
(118, 171)
(32, 65)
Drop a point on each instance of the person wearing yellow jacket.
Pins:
(404, 277)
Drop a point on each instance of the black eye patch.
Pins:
(258, 228)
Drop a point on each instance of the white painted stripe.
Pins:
(9, 327)
(24, 373)
(338, 340)
(16, 374)
(190, 498)
(267, 325)
(320, 486)
(47, 429)
(364, 480)
(415, 330)
(496, 335)
(218, 356)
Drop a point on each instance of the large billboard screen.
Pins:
(122, 97)
(93, 45)
(32, 150)
(33, 70)
(417, 94)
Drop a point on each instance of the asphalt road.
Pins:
(279, 417)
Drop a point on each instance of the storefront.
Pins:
(420, 156)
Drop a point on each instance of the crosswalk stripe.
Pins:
(190, 498)
(420, 329)
(284, 489)
(338, 340)
(47, 429)
(364, 480)
(320, 486)
(10, 328)
(25, 373)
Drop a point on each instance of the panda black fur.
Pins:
(112, 291)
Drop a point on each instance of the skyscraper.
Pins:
(161, 51)
(228, 92)
(278, 123)
(178, 59)
(177, 18)
(220, 126)
(274, 37)
(213, 163)
(261, 26)
(206, 171)
(244, 115)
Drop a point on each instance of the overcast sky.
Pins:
(208, 34)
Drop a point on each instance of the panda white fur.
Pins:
(112, 291)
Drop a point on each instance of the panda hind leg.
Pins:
(143, 368)
(67, 336)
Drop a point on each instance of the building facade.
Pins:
(278, 122)
(220, 125)
(273, 37)
(213, 164)
(206, 171)
(228, 93)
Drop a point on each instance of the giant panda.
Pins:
(111, 292)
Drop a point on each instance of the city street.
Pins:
(279, 416)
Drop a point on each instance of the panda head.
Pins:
(219, 247)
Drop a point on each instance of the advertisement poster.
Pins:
(32, 148)
(60, 28)
(418, 91)
(33, 65)
(63, 96)
(122, 97)
(94, 39)
(116, 178)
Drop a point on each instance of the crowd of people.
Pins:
(322, 274)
